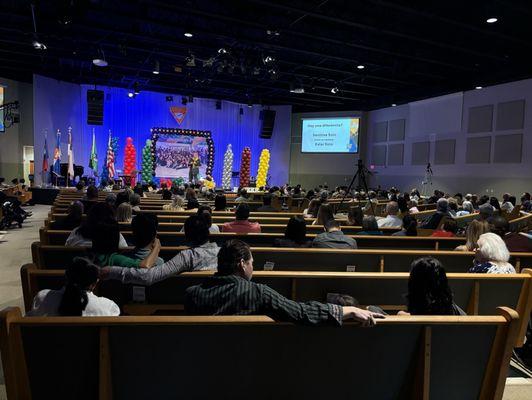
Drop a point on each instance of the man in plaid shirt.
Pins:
(231, 292)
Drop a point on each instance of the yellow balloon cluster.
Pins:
(264, 166)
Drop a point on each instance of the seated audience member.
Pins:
(442, 210)
(355, 216)
(313, 207)
(220, 202)
(325, 213)
(122, 197)
(474, 201)
(73, 218)
(231, 292)
(526, 204)
(485, 211)
(467, 205)
(484, 199)
(428, 290)
(414, 194)
(124, 213)
(449, 229)
(403, 205)
(491, 256)
(190, 194)
(333, 237)
(144, 229)
(110, 199)
(295, 234)
(515, 241)
(267, 204)
(453, 207)
(134, 200)
(409, 227)
(391, 220)
(467, 208)
(241, 223)
(79, 187)
(206, 212)
(412, 206)
(83, 235)
(507, 204)
(201, 256)
(369, 226)
(175, 205)
(495, 203)
(242, 196)
(76, 297)
(166, 194)
(138, 189)
(105, 248)
(473, 232)
(192, 204)
(372, 202)
(459, 199)
(90, 198)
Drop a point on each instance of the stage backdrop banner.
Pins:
(58, 105)
(174, 149)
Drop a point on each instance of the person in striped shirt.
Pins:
(231, 292)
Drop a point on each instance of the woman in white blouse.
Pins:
(76, 297)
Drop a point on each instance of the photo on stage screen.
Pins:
(175, 152)
(330, 135)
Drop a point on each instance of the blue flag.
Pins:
(56, 167)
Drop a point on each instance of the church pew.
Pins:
(289, 259)
(439, 357)
(476, 294)
(523, 223)
(265, 228)
(58, 237)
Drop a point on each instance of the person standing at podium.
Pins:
(194, 165)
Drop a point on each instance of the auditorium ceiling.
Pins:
(313, 54)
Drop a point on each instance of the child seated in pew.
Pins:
(76, 297)
(82, 236)
(144, 227)
(105, 248)
(201, 256)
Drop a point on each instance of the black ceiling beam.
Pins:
(285, 6)
(308, 36)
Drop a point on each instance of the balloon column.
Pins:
(147, 162)
(228, 168)
(130, 159)
(264, 165)
(245, 165)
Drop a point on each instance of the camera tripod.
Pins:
(361, 173)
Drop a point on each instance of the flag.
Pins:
(110, 158)
(70, 153)
(45, 156)
(93, 162)
(56, 167)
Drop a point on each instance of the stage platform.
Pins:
(43, 195)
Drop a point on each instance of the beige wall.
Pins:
(18, 135)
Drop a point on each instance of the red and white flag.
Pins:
(110, 158)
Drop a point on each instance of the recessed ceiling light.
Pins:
(491, 20)
(39, 45)
(393, 104)
(222, 50)
(130, 94)
(156, 68)
(189, 34)
(361, 66)
(334, 90)
(478, 87)
(100, 62)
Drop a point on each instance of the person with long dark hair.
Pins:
(295, 234)
(220, 202)
(73, 218)
(76, 297)
(409, 226)
(428, 289)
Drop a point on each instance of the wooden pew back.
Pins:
(417, 357)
